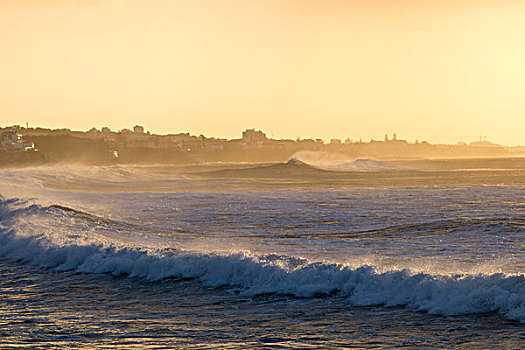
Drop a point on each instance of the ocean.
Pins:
(362, 254)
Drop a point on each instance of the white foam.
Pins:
(340, 162)
(85, 252)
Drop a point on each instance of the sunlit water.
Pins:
(151, 256)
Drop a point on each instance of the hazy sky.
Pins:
(438, 70)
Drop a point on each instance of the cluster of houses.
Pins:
(12, 141)
(137, 139)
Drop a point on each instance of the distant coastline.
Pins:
(106, 147)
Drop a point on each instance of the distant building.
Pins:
(13, 142)
(484, 144)
(106, 130)
(138, 129)
(253, 138)
(252, 135)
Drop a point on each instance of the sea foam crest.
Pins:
(340, 162)
(363, 286)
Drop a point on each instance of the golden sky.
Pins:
(437, 70)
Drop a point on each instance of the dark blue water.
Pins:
(41, 308)
(160, 267)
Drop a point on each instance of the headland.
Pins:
(24, 146)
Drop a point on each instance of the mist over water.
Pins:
(318, 251)
(341, 162)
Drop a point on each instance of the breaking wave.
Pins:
(88, 250)
(338, 162)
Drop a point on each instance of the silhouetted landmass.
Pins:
(103, 147)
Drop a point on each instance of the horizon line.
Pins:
(482, 139)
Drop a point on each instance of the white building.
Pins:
(13, 142)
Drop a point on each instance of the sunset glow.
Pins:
(444, 71)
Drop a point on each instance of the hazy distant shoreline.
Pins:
(105, 147)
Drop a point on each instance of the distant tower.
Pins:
(386, 137)
(27, 125)
(394, 137)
